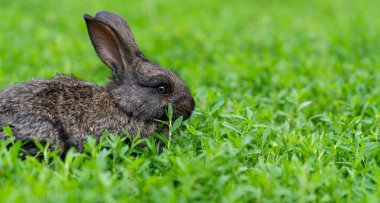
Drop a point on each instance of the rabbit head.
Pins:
(141, 88)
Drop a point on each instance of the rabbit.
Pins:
(65, 110)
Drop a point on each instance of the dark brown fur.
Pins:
(66, 110)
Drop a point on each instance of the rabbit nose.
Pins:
(192, 104)
(184, 107)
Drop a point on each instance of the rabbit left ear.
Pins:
(114, 44)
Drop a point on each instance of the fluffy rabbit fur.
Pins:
(65, 110)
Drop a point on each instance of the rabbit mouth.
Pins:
(161, 114)
(185, 115)
(177, 112)
(164, 117)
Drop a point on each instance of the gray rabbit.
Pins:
(66, 110)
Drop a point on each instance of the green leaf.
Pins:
(39, 145)
(250, 114)
(216, 106)
(176, 124)
(162, 122)
(8, 130)
(169, 112)
(303, 105)
(230, 126)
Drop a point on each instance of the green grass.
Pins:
(287, 95)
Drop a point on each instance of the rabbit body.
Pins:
(66, 110)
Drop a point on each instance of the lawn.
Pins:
(287, 101)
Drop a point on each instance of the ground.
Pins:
(287, 101)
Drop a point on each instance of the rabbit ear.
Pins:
(113, 42)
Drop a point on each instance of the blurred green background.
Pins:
(287, 96)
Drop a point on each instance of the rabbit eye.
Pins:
(162, 89)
